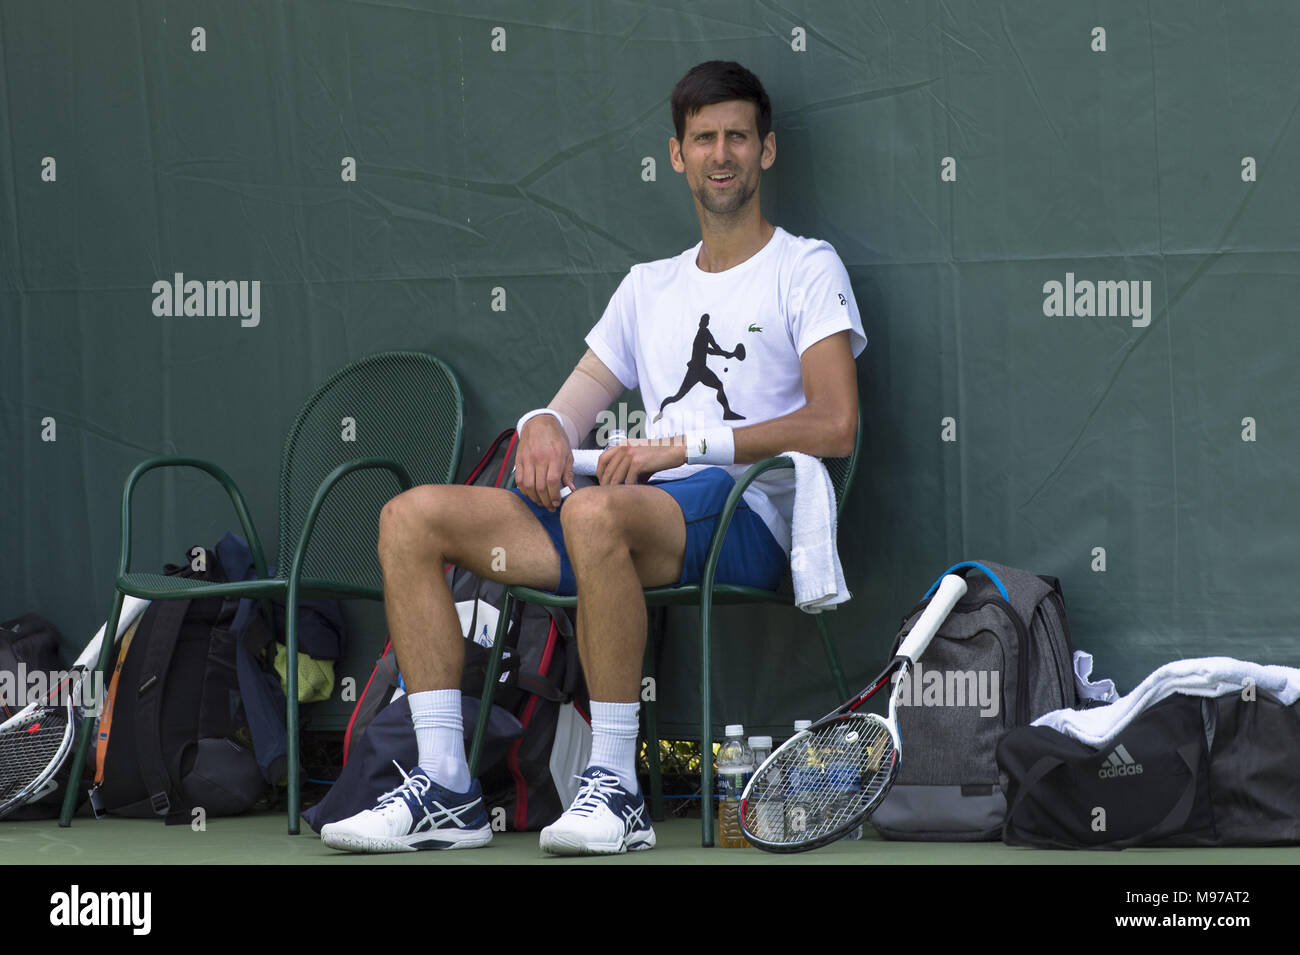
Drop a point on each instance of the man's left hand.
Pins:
(637, 460)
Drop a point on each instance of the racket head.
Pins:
(821, 783)
(33, 746)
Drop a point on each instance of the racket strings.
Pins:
(823, 783)
(27, 748)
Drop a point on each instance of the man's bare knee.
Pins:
(591, 522)
(409, 523)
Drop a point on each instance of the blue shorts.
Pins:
(750, 557)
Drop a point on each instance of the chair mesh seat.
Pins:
(161, 582)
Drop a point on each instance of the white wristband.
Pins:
(711, 446)
(519, 428)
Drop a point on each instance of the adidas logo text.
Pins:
(1119, 763)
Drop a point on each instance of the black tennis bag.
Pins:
(176, 714)
(1187, 771)
(29, 645)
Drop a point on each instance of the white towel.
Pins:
(814, 555)
(1103, 691)
(1201, 676)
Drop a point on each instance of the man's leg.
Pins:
(488, 531)
(428, 527)
(620, 540)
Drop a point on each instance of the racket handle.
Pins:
(584, 462)
(951, 589)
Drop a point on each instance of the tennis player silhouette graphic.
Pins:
(698, 373)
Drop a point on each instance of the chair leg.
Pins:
(490, 683)
(87, 730)
(652, 736)
(291, 705)
(706, 724)
(832, 658)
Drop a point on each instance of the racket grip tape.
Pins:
(951, 589)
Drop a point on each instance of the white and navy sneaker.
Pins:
(604, 819)
(419, 814)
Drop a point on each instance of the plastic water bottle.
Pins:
(770, 820)
(801, 813)
(735, 764)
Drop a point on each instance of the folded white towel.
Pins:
(1201, 676)
(814, 555)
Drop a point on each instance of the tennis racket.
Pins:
(35, 741)
(822, 782)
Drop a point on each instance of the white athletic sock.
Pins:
(613, 740)
(440, 736)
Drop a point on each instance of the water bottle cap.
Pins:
(760, 742)
(801, 725)
(735, 729)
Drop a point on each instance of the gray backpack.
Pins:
(1001, 659)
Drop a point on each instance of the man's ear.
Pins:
(769, 150)
(675, 154)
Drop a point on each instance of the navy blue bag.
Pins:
(321, 634)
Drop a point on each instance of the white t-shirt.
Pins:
(791, 294)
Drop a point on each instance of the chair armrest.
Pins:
(728, 511)
(221, 477)
(322, 492)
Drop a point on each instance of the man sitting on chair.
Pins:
(787, 301)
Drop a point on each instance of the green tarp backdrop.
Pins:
(1071, 229)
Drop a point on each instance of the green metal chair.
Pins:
(703, 595)
(379, 426)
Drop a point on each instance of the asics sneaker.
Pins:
(604, 819)
(419, 814)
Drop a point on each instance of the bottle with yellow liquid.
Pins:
(735, 765)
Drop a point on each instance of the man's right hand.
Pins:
(544, 461)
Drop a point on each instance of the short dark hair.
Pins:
(719, 81)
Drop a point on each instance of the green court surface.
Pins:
(261, 840)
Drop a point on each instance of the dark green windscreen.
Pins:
(474, 179)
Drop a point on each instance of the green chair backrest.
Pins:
(403, 406)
